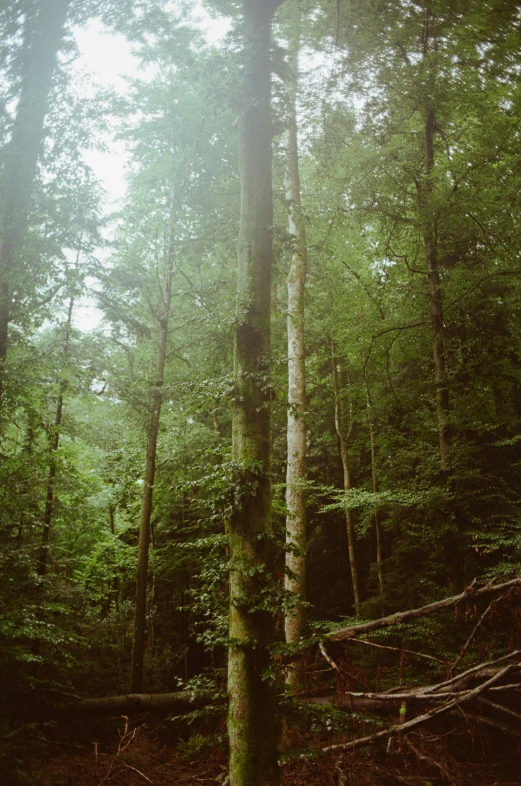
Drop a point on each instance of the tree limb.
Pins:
(405, 616)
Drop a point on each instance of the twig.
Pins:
(432, 762)
(501, 708)
(471, 637)
(326, 656)
(483, 719)
(334, 665)
(392, 731)
(121, 748)
(129, 767)
(508, 687)
(394, 649)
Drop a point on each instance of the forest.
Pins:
(260, 517)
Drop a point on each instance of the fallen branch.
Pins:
(393, 731)
(333, 665)
(500, 708)
(326, 656)
(465, 675)
(358, 701)
(405, 616)
(489, 721)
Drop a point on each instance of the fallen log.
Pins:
(367, 701)
(187, 701)
(135, 703)
(356, 701)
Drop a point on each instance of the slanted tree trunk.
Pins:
(138, 644)
(343, 432)
(42, 37)
(295, 576)
(251, 713)
(54, 444)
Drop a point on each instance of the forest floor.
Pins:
(137, 753)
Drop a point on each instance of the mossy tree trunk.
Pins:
(251, 713)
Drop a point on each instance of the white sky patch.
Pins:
(109, 61)
(107, 56)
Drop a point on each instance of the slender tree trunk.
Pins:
(377, 523)
(251, 710)
(343, 433)
(430, 242)
(295, 576)
(54, 444)
(138, 645)
(452, 543)
(43, 33)
(435, 299)
(114, 589)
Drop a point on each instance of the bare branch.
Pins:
(472, 635)
(400, 728)
(394, 649)
(404, 616)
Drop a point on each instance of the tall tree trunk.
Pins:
(451, 539)
(374, 476)
(435, 299)
(43, 33)
(295, 575)
(138, 644)
(430, 242)
(54, 444)
(343, 433)
(251, 709)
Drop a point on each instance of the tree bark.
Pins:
(295, 574)
(251, 713)
(43, 33)
(343, 433)
(138, 644)
(54, 444)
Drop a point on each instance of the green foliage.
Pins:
(365, 87)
